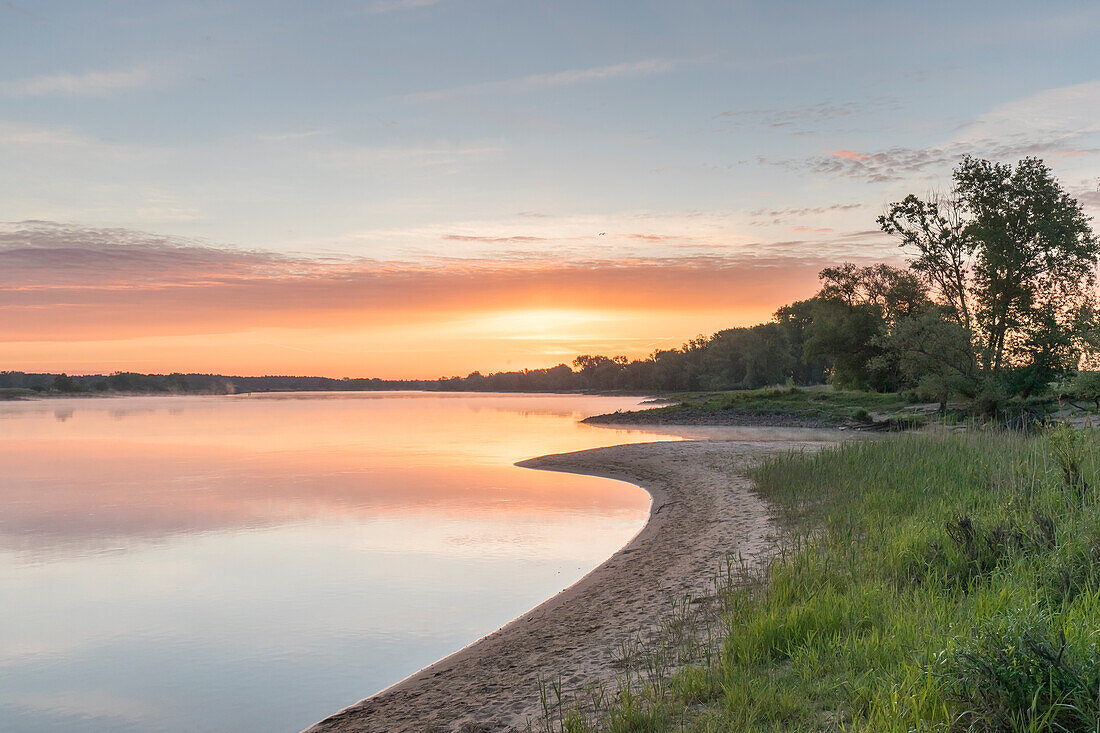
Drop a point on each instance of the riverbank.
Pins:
(704, 511)
(793, 407)
(946, 581)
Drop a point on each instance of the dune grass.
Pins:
(946, 582)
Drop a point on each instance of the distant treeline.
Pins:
(177, 383)
(997, 302)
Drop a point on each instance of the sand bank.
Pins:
(703, 508)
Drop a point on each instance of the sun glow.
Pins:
(538, 324)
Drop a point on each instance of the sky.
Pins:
(424, 188)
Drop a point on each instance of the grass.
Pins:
(796, 398)
(820, 405)
(16, 393)
(929, 582)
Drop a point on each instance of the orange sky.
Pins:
(168, 307)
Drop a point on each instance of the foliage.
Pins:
(1011, 257)
(929, 582)
(1084, 386)
(934, 353)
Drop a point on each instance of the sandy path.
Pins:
(703, 508)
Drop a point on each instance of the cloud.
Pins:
(87, 84)
(41, 255)
(1060, 112)
(389, 6)
(1089, 198)
(517, 239)
(848, 155)
(793, 119)
(285, 136)
(11, 134)
(419, 156)
(65, 283)
(902, 163)
(764, 217)
(547, 81)
(1062, 123)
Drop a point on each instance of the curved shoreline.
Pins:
(702, 510)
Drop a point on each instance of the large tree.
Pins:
(1011, 257)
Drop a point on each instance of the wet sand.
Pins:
(703, 509)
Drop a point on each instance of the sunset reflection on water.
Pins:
(259, 561)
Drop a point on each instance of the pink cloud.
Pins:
(847, 154)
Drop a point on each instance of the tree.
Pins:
(934, 352)
(1012, 258)
(1086, 386)
(896, 293)
(936, 230)
(796, 322)
(64, 383)
(599, 372)
(852, 316)
(1036, 254)
(750, 358)
(767, 356)
(846, 336)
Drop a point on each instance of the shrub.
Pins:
(1017, 671)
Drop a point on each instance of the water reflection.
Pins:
(256, 562)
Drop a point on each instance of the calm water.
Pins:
(258, 562)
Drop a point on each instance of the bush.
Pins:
(1084, 386)
(1018, 671)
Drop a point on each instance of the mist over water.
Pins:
(257, 562)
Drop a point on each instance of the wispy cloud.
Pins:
(802, 119)
(87, 84)
(14, 134)
(517, 239)
(1089, 198)
(763, 217)
(551, 80)
(287, 136)
(901, 163)
(848, 155)
(61, 281)
(419, 156)
(1059, 123)
(388, 6)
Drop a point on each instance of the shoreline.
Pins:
(693, 417)
(702, 510)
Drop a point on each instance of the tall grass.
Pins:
(944, 582)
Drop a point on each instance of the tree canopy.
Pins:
(1011, 257)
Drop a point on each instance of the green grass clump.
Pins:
(813, 403)
(930, 582)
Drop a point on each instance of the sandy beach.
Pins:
(703, 509)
